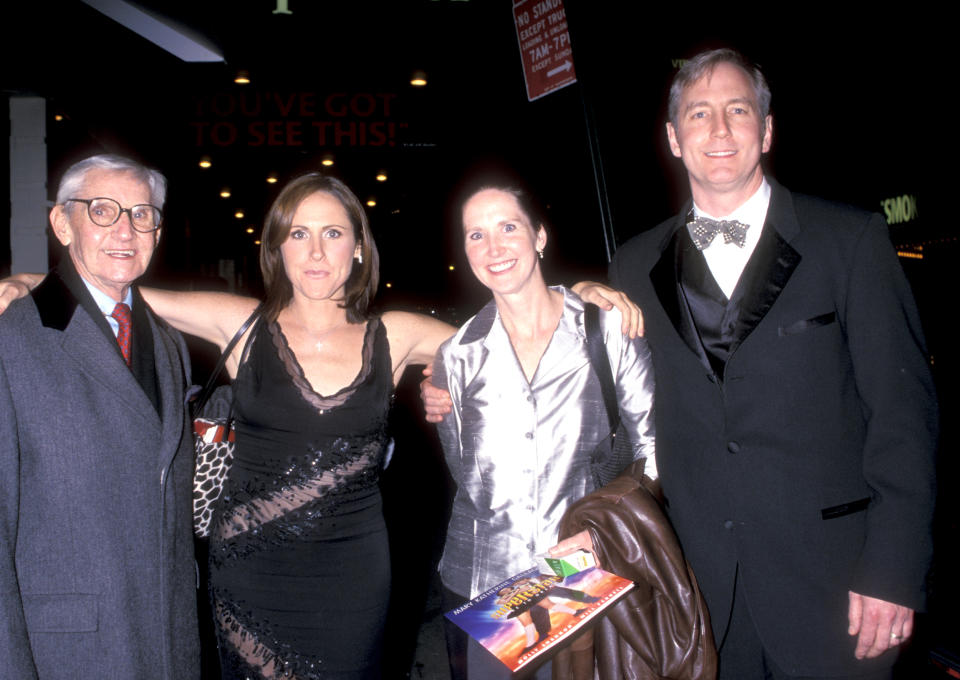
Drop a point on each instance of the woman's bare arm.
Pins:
(414, 339)
(214, 317)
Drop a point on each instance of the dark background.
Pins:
(855, 119)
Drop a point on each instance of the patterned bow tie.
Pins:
(703, 229)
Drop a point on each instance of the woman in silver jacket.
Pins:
(528, 428)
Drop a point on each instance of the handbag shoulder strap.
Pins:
(222, 361)
(601, 363)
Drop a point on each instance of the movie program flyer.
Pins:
(528, 614)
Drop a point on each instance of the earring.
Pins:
(359, 257)
(540, 252)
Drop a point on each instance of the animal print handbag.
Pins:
(213, 437)
(213, 442)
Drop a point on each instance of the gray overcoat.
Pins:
(97, 576)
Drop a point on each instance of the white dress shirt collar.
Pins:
(727, 260)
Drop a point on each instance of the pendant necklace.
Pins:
(320, 338)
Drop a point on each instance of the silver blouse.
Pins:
(521, 452)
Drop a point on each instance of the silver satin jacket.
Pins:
(521, 452)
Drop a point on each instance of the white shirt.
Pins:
(727, 260)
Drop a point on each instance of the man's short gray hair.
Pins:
(702, 65)
(73, 178)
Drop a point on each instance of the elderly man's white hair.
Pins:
(73, 178)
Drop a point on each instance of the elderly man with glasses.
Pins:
(97, 577)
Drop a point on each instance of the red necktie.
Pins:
(122, 314)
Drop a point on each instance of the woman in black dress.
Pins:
(299, 563)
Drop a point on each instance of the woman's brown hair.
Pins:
(360, 287)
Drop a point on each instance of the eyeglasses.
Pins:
(105, 212)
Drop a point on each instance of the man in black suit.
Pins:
(796, 416)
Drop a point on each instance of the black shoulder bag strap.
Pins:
(601, 364)
(208, 389)
(621, 450)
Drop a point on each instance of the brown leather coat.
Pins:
(661, 629)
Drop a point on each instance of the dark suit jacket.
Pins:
(810, 464)
(97, 578)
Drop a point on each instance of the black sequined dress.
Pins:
(299, 562)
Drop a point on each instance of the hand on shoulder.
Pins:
(17, 286)
(607, 298)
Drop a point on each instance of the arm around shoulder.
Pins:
(214, 317)
(608, 298)
(413, 338)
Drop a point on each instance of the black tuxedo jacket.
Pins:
(809, 464)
